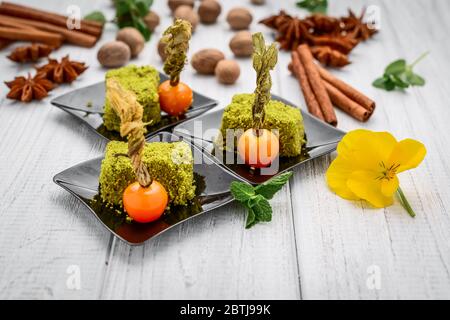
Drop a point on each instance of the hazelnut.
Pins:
(208, 11)
(205, 61)
(113, 54)
(239, 18)
(227, 71)
(242, 44)
(174, 4)
(162, 50)
(188, 14)
(133, 38)
(258, 2)
(151, 20)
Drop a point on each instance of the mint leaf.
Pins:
(380, 83)
(261, 207)
(272, 186)
(395, 67)
(96, 16)
(241, 191)
(315, 6)
(398, 81)
(251, 219)
(415, 79)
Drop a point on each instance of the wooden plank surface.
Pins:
(317, 246)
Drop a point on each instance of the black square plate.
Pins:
(321, 139)
(87, 103)
(212, 188)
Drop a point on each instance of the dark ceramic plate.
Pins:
(86, 104)
(321, 139)
(212, 187)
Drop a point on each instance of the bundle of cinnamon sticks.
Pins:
(321, 90)
(23, 23)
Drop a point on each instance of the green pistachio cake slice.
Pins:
(170, 163)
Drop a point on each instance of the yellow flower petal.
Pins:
(337, 176)
(408, 154)
(388, 187)
(365, 185)
(366, 149)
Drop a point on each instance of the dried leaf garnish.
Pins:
(64, 71)
(176, 38)
(30, 53)
(27, 89)
(264, 59)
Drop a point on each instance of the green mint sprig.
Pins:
(255, 199)
(129, 13)
(315, 6)
(399, 74)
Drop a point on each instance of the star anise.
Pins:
(30, 53)
(291, 30)
(329, 57)
(27, 89)
(64, 71)
(322, 24)
(356, 28)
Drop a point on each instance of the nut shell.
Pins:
(133, 38)
(113, 54)
(174, 4)
(208, 11)
(205, 61)
(239, 18)
(227, 71)
(151, 20)
(187, 13)
(241, 44)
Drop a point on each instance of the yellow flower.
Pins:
(367, 166)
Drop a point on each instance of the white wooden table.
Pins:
(317, 246)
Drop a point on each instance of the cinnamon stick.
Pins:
(316, 84)
(308, 94)
(346, 104)
(53, 39)
(71, 36)
(348, 90)
(12, 9)
(14, 24)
